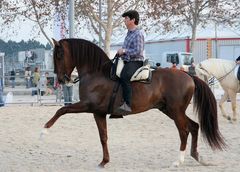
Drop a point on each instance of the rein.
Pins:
(77, 79)
(67, 77)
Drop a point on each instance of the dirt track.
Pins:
(144, 142)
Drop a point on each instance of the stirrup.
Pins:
(112, 116)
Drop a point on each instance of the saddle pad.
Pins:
(236, 71)
(120, 66)
(143, 73)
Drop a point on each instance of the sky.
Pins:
(24, 32)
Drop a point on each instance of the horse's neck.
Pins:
(218, 70)
(85, 70)
(82, 70)
(216, 73)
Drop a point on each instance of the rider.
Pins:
(132, 54)
(238, 62)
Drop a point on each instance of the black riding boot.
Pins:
(128, 70)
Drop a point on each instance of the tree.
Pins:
(11, 48)
(226, 12)
(177, 14)
(111, 16)
(40, 12)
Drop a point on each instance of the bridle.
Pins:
(66, 77)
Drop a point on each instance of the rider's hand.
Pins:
(121, 51)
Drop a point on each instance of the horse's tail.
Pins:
(206, 106)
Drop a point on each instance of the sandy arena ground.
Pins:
(143, 142)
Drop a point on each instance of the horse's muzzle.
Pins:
(64, 79)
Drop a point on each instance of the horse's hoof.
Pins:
(204, 163)
(201, 161)
(195, 155)
(103, 163)
(229, 118)
(101, 166)
(225, 116)
(176, 164)
(234, 119)
(43, 132)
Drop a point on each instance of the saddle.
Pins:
(143, 74)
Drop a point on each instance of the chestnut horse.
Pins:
(170, 91)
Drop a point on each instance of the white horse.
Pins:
(224, 72)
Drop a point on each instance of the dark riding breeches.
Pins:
(238, 73)
(128, 70)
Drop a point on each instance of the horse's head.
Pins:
(63, 63)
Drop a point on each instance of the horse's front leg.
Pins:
(232, 96)
(102, 128)
(73, 108)
(222, 100)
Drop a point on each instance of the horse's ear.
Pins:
(56, 43)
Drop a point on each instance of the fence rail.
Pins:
(21, 92)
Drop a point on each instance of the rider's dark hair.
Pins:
(132, 14)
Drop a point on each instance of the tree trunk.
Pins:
(107, 44)
(109, 28)
(194, 29)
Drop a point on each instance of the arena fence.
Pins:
(21, 91)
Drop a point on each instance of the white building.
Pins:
(224, 48)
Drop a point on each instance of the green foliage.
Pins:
(11, 47)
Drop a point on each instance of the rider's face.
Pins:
(128, 22)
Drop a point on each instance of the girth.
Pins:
(113, 97)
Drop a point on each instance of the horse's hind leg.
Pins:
(102, 128)
(193, 128)
(182, 126)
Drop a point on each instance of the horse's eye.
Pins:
(59, 54)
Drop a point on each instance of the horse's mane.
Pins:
(219, 67)
(85, 52)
